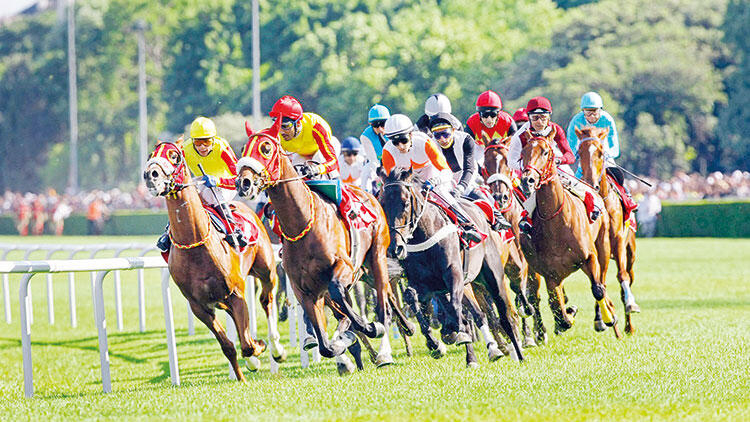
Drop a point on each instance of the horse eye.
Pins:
(265, 148)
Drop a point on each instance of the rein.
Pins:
(548, 171)
(413, 224)
(191, 245)
(310, 222)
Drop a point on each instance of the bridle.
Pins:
(498, 177)
(599, 147)
(548, 171)
(413, 222)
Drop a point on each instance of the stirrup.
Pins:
(595, 214)
(525, 227)
(471, 233)
(500, 223)
(164, 243)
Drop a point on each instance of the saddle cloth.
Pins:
(488, 208)
(247, 226)
(628, 205)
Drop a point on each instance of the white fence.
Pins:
(99, 268)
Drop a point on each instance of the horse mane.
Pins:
(592, 132)
(400, 175)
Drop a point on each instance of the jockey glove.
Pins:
(309, 170)
(210, 181)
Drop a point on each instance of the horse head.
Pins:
(497, 172)
(165, 171)
(398, 201)
(591, 153)
(260, 165)
(538, 160)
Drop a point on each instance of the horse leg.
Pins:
(596, 273)
(452, 331)
(237, 309)
(208, 317)
(493, 352)
(556, 303)
(418, 306)
(535, 282)
(498, 290)
(519, 275)
(316, 315)
(282, 303)
(485, 302)
(269, 280)
(634, 308)
(384, 295)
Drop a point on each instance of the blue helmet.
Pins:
(378, 112)
(351, 143)
(591, 100)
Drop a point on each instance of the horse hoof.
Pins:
(379, 329)
(383, 360)
(572, 310)
(463, 338)
(632, 308)
(280, 356)
(260, 347)
(345, 366)
(252, 363)
(439, 352)
(541, 339)
(614, 321)
(449, 338)
(309, 343)
(529, 342)
(494, 354)
(410, 328)
(472, 364)
(599, 326)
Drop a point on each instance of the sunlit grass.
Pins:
(689, 358)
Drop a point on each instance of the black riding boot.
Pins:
(470, 231)
(164, 242)
(500, 222)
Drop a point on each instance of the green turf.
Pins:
(688, 360)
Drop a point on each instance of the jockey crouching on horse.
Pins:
(460, 152)
(219, 162)
(435, 103)
(592, 114)
(411, 149)
(307, 137)
(354, 169)
(490, 121)
(539, 110)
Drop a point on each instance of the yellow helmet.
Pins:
(202, 127)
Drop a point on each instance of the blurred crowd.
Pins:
(31, 212)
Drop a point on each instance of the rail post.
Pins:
(174, 369)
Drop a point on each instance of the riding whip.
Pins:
(633, 176)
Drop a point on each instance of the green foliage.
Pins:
(657, 58)
(705, 219)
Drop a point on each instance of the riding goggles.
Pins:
(541, 116)
(378, 123)
(287, 122)
(348, 153)
(442, 133)
(488, 113)
(399, 139)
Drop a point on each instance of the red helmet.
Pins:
(538, 103)
(287, 106)
(489, 99)
(520, 115)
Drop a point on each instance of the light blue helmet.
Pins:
(378, 112)
(351, 143)
(591, 100)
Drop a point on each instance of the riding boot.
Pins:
(500, 222)
(469, 229)
(525, 224)
(164, 242)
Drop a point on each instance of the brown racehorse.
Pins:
(316, 248)
(562, 238)
(210, 273)
(621, 238)
(498, 176)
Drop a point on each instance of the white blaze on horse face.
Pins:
(592, 150)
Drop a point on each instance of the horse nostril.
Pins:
(154, 174)
(245, 184)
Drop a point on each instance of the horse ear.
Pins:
(248, 129)
(180, 141)
(579, 133)
(407, 174)
(275, 128)
(603, 134)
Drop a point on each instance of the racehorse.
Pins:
(621, 237)
(316, 249)
(525, 281)
(210, 273)
(426, 241)
(563, 239)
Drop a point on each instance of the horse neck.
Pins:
(291, 200)
(550, 197)
(603, 183)
(187, 220)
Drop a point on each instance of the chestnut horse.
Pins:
(562, 239)
(210, 273)
(525, 281)
(316, 249)
(622, 239)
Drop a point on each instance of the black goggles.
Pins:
(377, 123)
(488, 113)
(286, 122)
(350, 153)
(442, 134)
(399, 139)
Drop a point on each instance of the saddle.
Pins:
(247, 226)
(489, 212)
(437, 200)
(628, 205)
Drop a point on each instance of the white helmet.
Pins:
(437, 103)
(398, 124)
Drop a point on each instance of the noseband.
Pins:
(412, 224)
(548, 171)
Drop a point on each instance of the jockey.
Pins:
(219, 162)
(592, 114)
(520, 117)
(489, 122)
(461, 154)
(372, 137)
(540, 125)
(411, 149)
(308, 137)
(436, 103)
(354, 169)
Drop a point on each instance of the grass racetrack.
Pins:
(690, 357)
